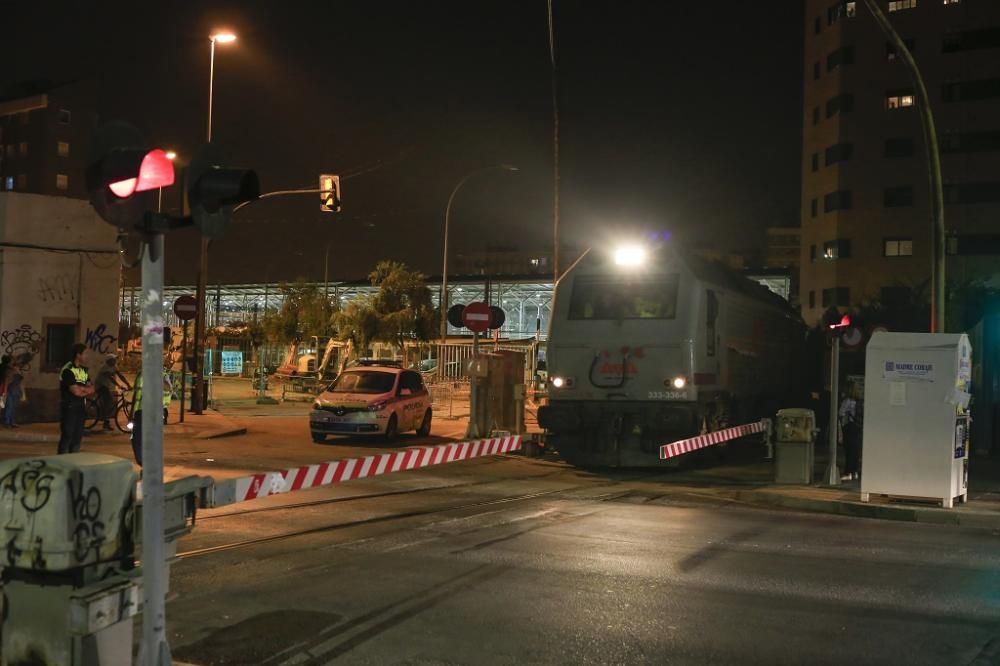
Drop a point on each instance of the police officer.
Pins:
(74, 388)
(137, 413)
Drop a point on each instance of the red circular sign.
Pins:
(477, 317)
(186, 307)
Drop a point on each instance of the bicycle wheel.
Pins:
(91, 412)
(123, 415)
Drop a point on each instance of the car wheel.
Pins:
(391, 429)
(318, 437)
(425, 426)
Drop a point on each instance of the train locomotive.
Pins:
(647, 346)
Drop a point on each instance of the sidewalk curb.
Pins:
(29, 437)
(860, 510)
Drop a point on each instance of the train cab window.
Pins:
(601, 297)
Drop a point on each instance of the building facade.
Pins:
(59, 279)
(44, 138)
(866, 217)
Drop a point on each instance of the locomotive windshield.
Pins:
(598, 297)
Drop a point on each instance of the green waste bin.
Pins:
(795, 437)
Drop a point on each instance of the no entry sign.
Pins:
(185, 307)
(477, 317)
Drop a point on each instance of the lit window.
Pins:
(62, 148)
(898, 100)
(534, 262)
(896, 5)
(837, 249)
(23, 148)
(62, 181)
(951, 2)
(64, 117)
(898, 247)
(9, 183)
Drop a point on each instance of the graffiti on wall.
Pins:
(21, 344)
(99, 340)
(57, 289)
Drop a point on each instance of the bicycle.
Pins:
(94, 410)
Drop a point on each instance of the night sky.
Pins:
(674, 115)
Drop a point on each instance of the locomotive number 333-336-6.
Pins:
(667, 395)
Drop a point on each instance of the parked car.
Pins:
(372, 400)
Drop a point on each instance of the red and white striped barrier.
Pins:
(231, 491)
(682, 446)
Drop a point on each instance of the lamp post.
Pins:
(447, 218)
(171, 155)
(199, 322)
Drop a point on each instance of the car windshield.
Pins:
(367, 381)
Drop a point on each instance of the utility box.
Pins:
(916, 416)
(795, 435)
(62, 513)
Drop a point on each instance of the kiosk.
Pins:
(916, 416)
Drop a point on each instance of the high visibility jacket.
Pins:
(137, 405)
(79, 374)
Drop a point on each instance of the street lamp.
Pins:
(170, 155)
(447, 218)
(222, 37)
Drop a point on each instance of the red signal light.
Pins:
(845, 321)
(155, 171)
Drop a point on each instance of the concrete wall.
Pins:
(58, 265)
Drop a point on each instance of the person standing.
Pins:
(74, 388)
(850, 427)
(12, 394)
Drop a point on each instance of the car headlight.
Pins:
(378, 406)
(679, 382)
(317, 405)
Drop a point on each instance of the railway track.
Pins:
(332, 527)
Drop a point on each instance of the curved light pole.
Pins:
(447, 218)
(199, 322)
(933, 155)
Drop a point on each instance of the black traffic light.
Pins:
(497, 317)
(213, 191)
(122, 173)
(329, 195)
(455, 315)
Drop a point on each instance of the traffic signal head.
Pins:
(835, 322)
(120, 169)
(329, 194)
(214, 190)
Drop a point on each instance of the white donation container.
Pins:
(916, 417)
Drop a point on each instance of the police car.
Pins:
(372, 399)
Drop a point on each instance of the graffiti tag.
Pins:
(30, 483)
(56, 288)
(88, 534)
(21, 344)
(99, 340)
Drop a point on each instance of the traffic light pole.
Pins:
(154, 650)
(832, 472)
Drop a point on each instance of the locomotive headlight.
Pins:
(630, 255)
(679, 382)
(562, 382)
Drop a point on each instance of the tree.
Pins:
(305, 311)
(400, 310)
(358, 323)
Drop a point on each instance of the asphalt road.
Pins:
(516, 561)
